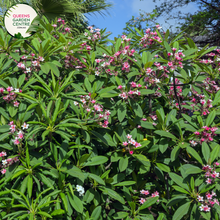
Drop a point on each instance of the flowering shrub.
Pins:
(90, 131)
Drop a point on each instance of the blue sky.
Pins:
(123, 10)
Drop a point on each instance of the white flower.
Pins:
(16, 90)
(28, 70)
(80, 189)
(157, 80)
(25, 126)
(4, 162)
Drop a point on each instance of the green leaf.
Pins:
(123, 164)
(175, 153)
(142, 159)
(190, 169)
(97, 160)
(44, 214)
(146, 91)
(3, 136)
(165, 134)
(192, 152)
(167, 46)
(100, 137)
(64, 201)
(181, 211)
(149, 203)
(125, 183)
(210, 118)
(137, 108)
(76, 203)
(57, 212)
(96, 178)
(113, 194)
(87, 85)
(163, 167)
(121, 112)
(215, 152)
(30, 185)
(117, 44)
(96, 213)
(120, 215)
(175, 200)
(206, 151)
(178, 180)
(76, 172)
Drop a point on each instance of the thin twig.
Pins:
(177, 97)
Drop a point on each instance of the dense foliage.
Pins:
(96, 132)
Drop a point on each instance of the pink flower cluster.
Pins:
(20, 134)
(178, 89)
(132, 93)
(149, 38)
(130, 144)
(61, 23)
(90, 106)
(210, 85)
(206, 135)
(211, 174)
(12, 95)
(208, 201)
(175, 59)
(200, 100)
(93, 34)
(146, 192)
(7, 162)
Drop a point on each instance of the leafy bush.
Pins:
(91, 131)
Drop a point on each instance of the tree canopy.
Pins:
(203, 26)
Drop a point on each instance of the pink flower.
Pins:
(137, 144)
(144, 192)
(4, 154)
(142, 201)
(16, 141)
(196, 133)
(16, 103)
(12, 128)
(208, 181)
(209, 196)
(2, 90)
(155, 194)
(120, 87)
(67, 29)
(206, 208)
(21, 65)
(216, 163)
(125, 143)
(59, 20)
(200, 198)
(9, 89)
(3, 171)
(20, 135)
(54, 25)
(25, 126)
(131, 152)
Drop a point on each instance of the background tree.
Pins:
(202, 26)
